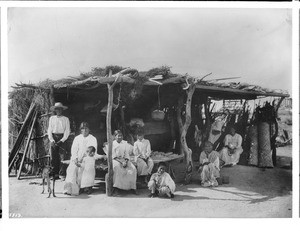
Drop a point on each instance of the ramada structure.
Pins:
(169, 107)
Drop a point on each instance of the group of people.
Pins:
(211, 161)
(81, 170)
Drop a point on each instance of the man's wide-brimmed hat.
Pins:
(58, 105)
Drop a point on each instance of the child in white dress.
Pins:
(89, 172)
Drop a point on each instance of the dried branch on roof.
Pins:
(154, 77)
(23, 85)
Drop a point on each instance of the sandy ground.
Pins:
(252, 192)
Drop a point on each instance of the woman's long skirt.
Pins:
(73, 179)
(231, 158)
(124, 178)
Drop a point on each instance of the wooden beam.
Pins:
(278, 105)
(30, 86)
(126, 77)
(237, 91)
(27, 145)
(110, 79)
(21, 136)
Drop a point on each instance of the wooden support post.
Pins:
(109, 177)
(183, 127)
(278, 105)
(27, 145)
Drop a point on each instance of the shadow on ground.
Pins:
(250, 184)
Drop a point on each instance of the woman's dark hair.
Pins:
(118, 132)
(208, 143)
(140, 132)
(162, 164)
(233, 127)
(84, 125)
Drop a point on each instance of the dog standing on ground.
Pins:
(46, 174)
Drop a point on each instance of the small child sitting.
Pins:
(89, 172)
(161, 183)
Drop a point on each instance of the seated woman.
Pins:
(142, 152)
(230, 154)
(124, 171)
(78, 150)
(161, 184)
(209, 166)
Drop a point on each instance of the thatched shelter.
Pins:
(182, 100)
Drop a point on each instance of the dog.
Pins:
(46, 174)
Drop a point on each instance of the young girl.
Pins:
(142, 152)
(89, 172)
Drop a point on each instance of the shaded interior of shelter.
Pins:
(79, 102)
(89, 105)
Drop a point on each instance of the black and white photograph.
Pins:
(0, 136)
(150, 112)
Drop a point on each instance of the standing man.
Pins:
(58, 133)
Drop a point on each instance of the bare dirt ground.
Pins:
(252, 192)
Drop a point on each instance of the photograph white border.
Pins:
(150, 224)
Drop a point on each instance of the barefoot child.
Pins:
(161, 184)
(89, 172)
(209, 166)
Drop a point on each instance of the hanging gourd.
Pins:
(158, 114)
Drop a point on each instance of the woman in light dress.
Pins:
(78, 150)
(230, 154)
(125, 173)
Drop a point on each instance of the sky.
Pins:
(254, 44)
